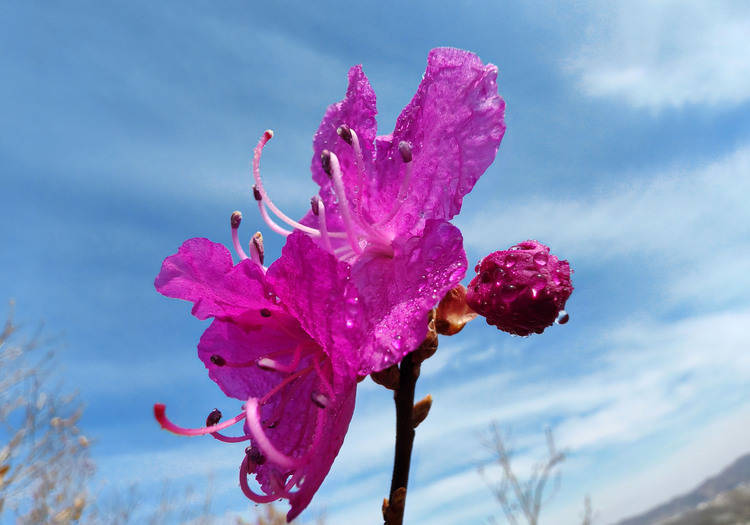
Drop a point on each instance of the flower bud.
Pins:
(521, 290)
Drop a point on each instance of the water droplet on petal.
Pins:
(540, 259)
(510, 260)
(538, 282)
(509, 292)
(562, 317)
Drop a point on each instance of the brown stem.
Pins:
(404, 399)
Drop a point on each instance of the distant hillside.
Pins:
(724, 496)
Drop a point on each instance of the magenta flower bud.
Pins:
(522, 290)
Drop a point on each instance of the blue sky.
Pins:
(126, 130)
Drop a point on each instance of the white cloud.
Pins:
(690, 225)
(667, 54)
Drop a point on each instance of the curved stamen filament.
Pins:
(234, 222)
(273, 454)
(166, 424)
(264, 196)
(402, 193)
(284, 383)
(257, 252)
(263, 213)
(319, 370)
(257, 498)
(321, 208)
(360, 169)
(338, 188)
(229, 439)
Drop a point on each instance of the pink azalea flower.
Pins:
(522, 290)
(297, 401)
(385, 202)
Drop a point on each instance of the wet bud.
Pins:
(315, 205)
(235, 220)
(345, 132)
(429, 346)
(405, 150)
(256, 193)
(325, 161)
(258, 245)
(265, 312)
(218, 360)
(420, 410)
(388, 378)
(453, 313)
(213, 418)
(521, 290)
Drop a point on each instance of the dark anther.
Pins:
(258, 243)
(256, 193)
(235, 220)
(254, 455)
(345, 132)
(315, 205)
(325, 161)
(405, 150)
(320, 400)
(265, 312)
(218, 360)
(213, 418)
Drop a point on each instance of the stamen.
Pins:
(254, 455)
(345, 132)
(234, 222)
(323, 381)
(282, 384)
(404, 150)
(213, 417)
(220, 361)
(263, 213)
(257, 498)
(264, 196)
(229, 439)
(266, 363)
(261, 439)
(321, 400)
(338, 188)
(319, 209)
(166, 424)
(257, 252)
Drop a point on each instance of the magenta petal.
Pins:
(358, 111)
(399, 292)
(316, 288)
(329, 437)
(202, 272)
(454, 125)
(236, 345)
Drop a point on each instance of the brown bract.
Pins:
(453, 313)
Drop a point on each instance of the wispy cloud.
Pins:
(666, 54)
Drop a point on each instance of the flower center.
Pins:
(359, 233)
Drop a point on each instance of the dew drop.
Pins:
(538, 282)
(540, 259)
(510, 260)
(509, 292)
(562, 317)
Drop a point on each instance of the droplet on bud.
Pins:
(562, 317)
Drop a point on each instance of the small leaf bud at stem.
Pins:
(421, 409)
